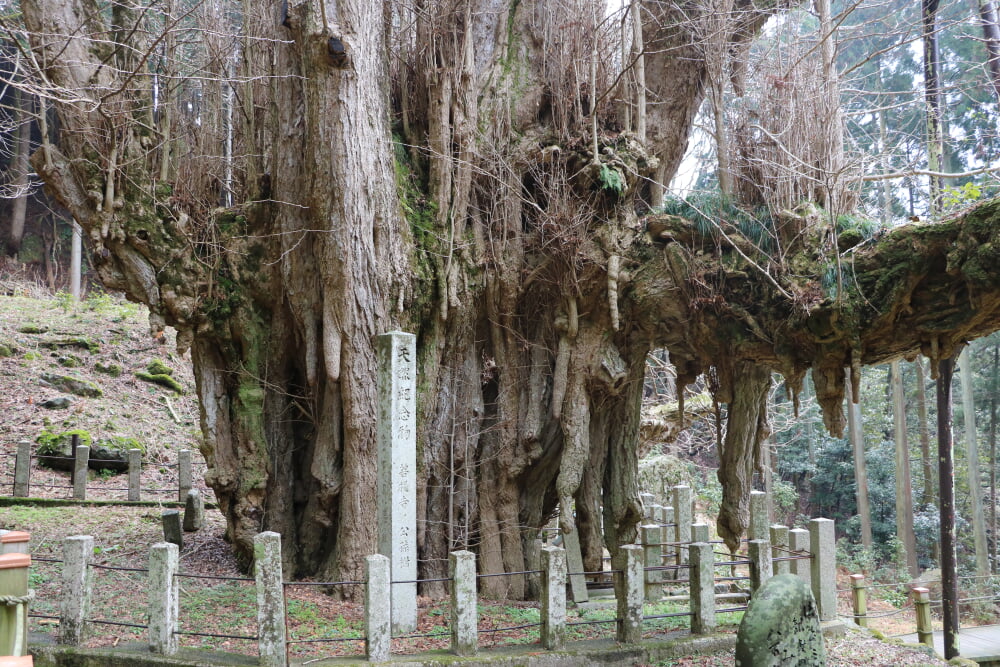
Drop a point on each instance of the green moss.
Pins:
(122, 444)
(51, 444)
(163, 190)
(33, 329)
(6, 350)
(161, 379)
(70, 361)
(157, 367)
(114, 370)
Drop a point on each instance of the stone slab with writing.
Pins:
(781, 627)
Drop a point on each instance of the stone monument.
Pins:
(781, 627)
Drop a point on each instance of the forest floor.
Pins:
(41, 334)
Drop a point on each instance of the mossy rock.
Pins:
(114, 370)
(72, 385)
(7, 350)
(33, 329)
(161, 379)
(158, 367)
(70, 361)
(55, 450)
(80, 342)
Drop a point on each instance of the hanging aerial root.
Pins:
(331, 344)
(614, 270)
(575, 424)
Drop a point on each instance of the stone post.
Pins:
(758, 516)
(629, 594)
(183, 474)
(823, 546)
(647, 500)
(80, 463)
(779, 549)
(553, 598)
(14, 616)
(859, 599)
(652, 552)
(798, 540)
(164, 598)
(699, 532)
(75, 603)
(464, 600)
(683, 518)
(574, 561)
(378, 614)
(172, 527)
(194, 511)
(135, 474)
(397, 470)
(759, 554)
(922, 602)
(22, 469)
(669, 537)
(702, 573)
(532, 558)
(270, 599)
(15, 542)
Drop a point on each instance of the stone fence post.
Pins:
(758, 516)
(134, 474)
(702, 574)
(464, 600)
(270, 599)
(22, 469)
(779, 549)
(183, 474)
(684, 518)
(378, 612)
(653, 556)
(553, 599)
(761, 567)
(629, 593)
(80, 463)
(798, 540)
(823, 546)
(164, 598)
(75, 603)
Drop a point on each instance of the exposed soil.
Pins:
(34, 327)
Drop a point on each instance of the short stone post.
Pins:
(183, 474)
(683, 518)
(553, 598)
(702, 561)
(396, 442)
(194, 511)
(22, 469)
(822, 544)
(699, 532)
(798, 540)
(270, 599)
(14, 614)
(859, 599)
(15, 542)
(669, 548)
(629, 594)
(172, 528)
(464, 601)
(80, 462)
(922, 602)
(759, 554)
(758, 516)
(164, 597)
(75, 603)
(574, 561)
(653, 556)
(134, 474)
(647, 500)
(779, 549)
(378, 613)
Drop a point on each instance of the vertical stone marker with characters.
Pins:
(397, 472)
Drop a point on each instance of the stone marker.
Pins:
(270, 599)
(81, 460)
(553, 597)
(134, 474)
(464, 600)
(172, 528)
(781, 627)
(74, 607)
(183, 474)
(397, 471)
(759, 523)
(164, 598)
(22, 469)
(194, 511)
(378, 630)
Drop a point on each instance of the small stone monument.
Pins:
(194, 511)
(781, 627)
(172, 528)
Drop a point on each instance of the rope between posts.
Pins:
(14, 600)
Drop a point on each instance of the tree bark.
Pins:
(19, 171)
(927, 491)
(855, 434)
(946, 475)
(972, 460)
(991, 36)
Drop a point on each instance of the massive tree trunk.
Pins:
(430, 168)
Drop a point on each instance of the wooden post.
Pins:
(859, 599)
(922, 601)
(14, 615)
